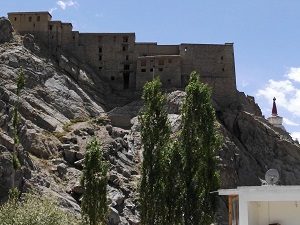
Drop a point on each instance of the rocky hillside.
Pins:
(63, 107)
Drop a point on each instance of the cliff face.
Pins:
(63, 107)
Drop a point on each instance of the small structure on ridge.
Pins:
(276, 120)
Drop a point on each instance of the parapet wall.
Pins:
(127, 64)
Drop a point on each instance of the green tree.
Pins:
(155, 135)
(199, 142)
(174, 186)
(94, 181)
(20, 82)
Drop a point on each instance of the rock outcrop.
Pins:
(64, 104)
(5, 30)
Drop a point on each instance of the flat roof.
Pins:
(107, 34)
(31, 13)
(264, 188)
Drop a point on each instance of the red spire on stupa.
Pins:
(274, 109)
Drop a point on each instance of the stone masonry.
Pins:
(127, 64)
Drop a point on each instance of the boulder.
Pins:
(5, 30)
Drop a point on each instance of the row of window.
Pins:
(100, 57)
(125, 39)
(126, 67)
(143, 70)
(38, 18)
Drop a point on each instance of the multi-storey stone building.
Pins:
(127, 64)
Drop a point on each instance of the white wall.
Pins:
(284, 213)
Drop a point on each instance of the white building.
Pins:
(263, 205)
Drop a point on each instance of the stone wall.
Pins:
(126, 64)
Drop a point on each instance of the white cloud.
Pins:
(290, 122)
(294, 74)
(296, 135)
(63, 4)
(52, 10)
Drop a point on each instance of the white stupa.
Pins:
(276, 120)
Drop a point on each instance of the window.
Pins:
(127, 57)
(115, 38)
(143, 62)
(100, 49)
(34, 25)
(50, 27)
(15, 18)
(143, 70)
(100, 57)
(30, 19)
(160, 69)
(223, 69)
(169, 81)
(38, 18)
(185, 49)
(151, 70)
(125, 39)
(100, 67)
(112, 78)
(170, 61)
(73, 37)
(125, 48)
(161, 62)
(126, 67)
(222, 57)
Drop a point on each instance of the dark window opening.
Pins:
(100, 49)
(143, 70)
(50, 27)
(126, 67)
(144, 54)
(100, 57)
(73, 37)
(125, 48)
(151, 70)
(161, 62)
(127, 57)
(223, 69)
(169, 81)
(126, 80)
(100, 67)
(222, 57)
(170, 60)
(15, 18)
(160, 69)
(52, 37)
(125, 39)
(30, 18)
(112, 78)
(34, 25)
(143, 63)
(38, 18)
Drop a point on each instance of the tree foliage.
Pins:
(94, 181)
(155, 134)
(199, 142)
(34, 210)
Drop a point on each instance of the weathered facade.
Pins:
(127, 64)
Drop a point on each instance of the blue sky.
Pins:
(266, 36)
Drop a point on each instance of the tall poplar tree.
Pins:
(94, 181)
(155, 134)
(199, 142)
